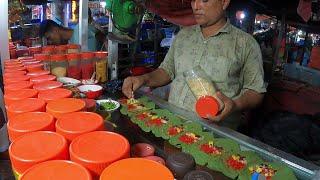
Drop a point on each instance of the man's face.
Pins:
(208, 12)
(53, 36)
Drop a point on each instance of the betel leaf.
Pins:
(250, 157)
(192, 126)
(124, 110)
(282, 172)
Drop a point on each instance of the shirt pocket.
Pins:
(217, 67)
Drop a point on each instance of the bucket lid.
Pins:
(42, 78)
(207, 105)
(20, 94)
(136, 168)
(65, 105)
(16, 79)
(26, 105)
(36, 147)
(61, 47)
(29, 122)
(14, 71)
(101, 54)
(14, 75)
(15, 65)
(34, 65)
(47, 48)
(54, 94)
(74, 46)
(16, 68)
(18, 86)
(47, 85)
(38, 73)
(57, 169)
(74, 124)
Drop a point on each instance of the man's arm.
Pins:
(157, 78)
(248, 100)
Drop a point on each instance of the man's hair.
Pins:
(46, 26)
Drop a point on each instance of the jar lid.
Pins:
(136, 168)
(16, 68)
(54, 94)
(65, 105)
(75, 124)
(18, 86)
(73, 56)
(28, 63)
(25, 58)
(27, 105)
(38, 73)
(13, 96)
(37, 147)
(35, 49)
(42, 57)
(101, 54)
(198, 174)
(61, 47)
(57, 169)
(142, 150)
(14, 71)
(87, 55)
(16, 79)
(47, 85)
(14, 75)
(74, 46)
(180, 163)
(93, 150)
(42, 78)
(58, 57)
(30, 122)
(34, 67)
(207, 106)
(47, 48)
(12, 66)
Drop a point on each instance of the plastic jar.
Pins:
(34, 50)
(25, 105)
(59, 65)
(101, 66)
(204, 91)
(48, 50)
(73, 48)
(74, 70)
(62, 49)
(60, 107)
(45, 59)
(87, 65)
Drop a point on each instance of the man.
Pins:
(230, 56)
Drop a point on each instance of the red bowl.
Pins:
(91, 91)
(156, 159)
(142, 150)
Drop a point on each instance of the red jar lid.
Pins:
(101, 54)
(61, 48)
(47, 48)
(42, 57)
(73, 56)
(87, 55)
(207, 106)
(58, 57)
(74, 46)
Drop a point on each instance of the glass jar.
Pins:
(48, 50)
(45, 59)
(74, 70)
(59, 65)
(73, 48)
(34, 50)
(62, 49)
(101, 66)
(87, 64)
(204, 91)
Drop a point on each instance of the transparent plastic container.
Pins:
(48, 50)
(74, 70)
(62, 49)
(101, 66)
(73, 48)
(208, 104)
(59, 65)
(45, 59)
(87, 64)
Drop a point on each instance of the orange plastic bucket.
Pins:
(47, 85)
(18, 86)
(36, 147)
(13, 66)
(136, 168)
(34, 67)
(14, 74)
(30, 122)
(97, 150)
(17, 95)
(43, 78)
(25, 105)
(75, 124)
(60, 107)
(57, 169)
(16, 79)
(14, 71)
(54, 94)
(16, 68)
(38, 73)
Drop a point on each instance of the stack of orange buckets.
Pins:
(52, 137)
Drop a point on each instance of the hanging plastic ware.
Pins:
(87, 64)
(74, 70)
(59, 65)
(101, 66)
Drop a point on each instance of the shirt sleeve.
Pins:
(168, 63)
(252, 72)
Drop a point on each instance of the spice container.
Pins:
(92, 150)
(62, 49)
(73, 48)
(136, 168)
(204, 91)
(180, 164)
(25, 105)
(36, 147)
(101, 66)
(74, 70)
(34, 50)
(18, 95)
(57, 169)
(87, 65)
(45, 59)
(30, 122)
(59, 65)
(75, 124)
(60, 107)
(18, 86)
(48, 50)
(16, 79)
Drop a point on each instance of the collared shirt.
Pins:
(231, 57)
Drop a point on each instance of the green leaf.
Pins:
(193, 126)
(228, 144)
(124, 110)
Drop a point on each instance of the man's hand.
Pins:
(229, 108)
(131, 84)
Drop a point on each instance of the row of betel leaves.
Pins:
(219, 154)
